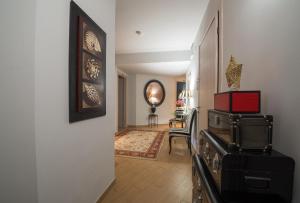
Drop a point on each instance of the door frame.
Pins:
(218, 67)
(125, 100)
(218, 58)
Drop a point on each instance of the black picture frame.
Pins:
(87, 92)
(180, 86)
(163, 92)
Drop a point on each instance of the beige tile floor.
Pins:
(165, 180)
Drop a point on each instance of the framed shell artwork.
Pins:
(87, 67)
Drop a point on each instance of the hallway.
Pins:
(167, 179)
(60, 109)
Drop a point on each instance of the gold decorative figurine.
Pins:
(233, 74)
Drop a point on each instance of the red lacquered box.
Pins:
(238, 101)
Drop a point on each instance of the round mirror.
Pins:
(154, 93)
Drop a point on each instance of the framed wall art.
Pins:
(87, 67)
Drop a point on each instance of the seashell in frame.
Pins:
(92, 95)
(92, 69)
(92, 41)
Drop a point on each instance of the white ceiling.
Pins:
(163, 68)
(166, 25)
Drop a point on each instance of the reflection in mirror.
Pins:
(154, 93)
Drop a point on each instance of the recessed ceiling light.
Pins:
(138, 32)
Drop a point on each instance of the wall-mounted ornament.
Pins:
(87, 67)
(233, 74)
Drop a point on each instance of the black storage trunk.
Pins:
(242, 131)
(239, 174)
(204, 190)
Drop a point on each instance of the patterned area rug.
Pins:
(139, 143)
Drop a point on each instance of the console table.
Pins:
(153, 120)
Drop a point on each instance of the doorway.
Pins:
(209, 71)
(121, 103)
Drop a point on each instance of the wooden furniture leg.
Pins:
(170, 143)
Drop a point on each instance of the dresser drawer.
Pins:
(204, 190)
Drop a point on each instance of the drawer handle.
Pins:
(257, 182)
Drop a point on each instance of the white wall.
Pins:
(75, 162)
(138, 109)
(166, 110)
(152, 57)
(264, 36)
(17, 141)
(192, 75)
